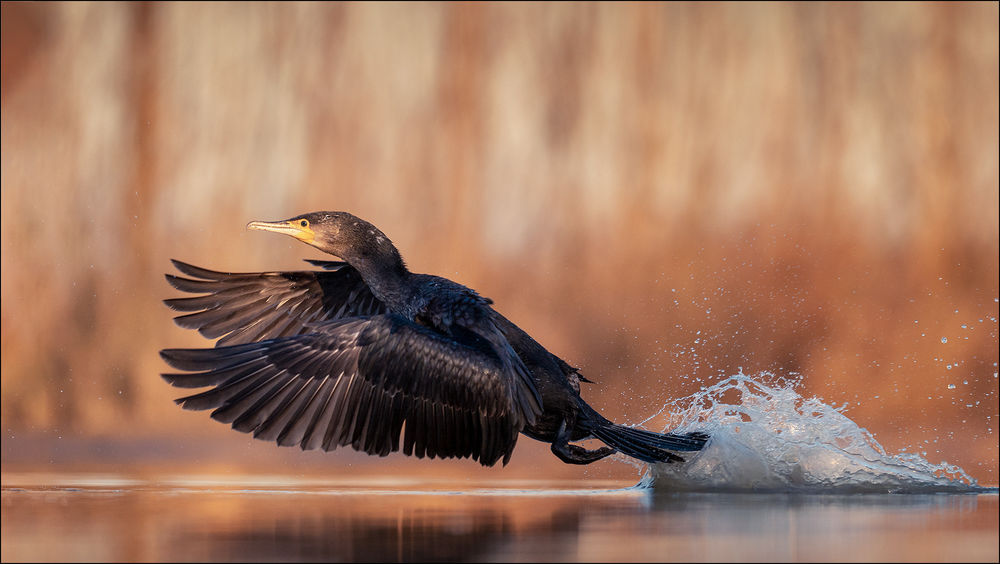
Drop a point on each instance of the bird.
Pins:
(364, 353)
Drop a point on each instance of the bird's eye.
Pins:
(304, 223)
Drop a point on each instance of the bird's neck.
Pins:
(386, 275)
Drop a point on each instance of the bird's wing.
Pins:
(358, 382)
(327, 264)
(250, 307)
(460, 314)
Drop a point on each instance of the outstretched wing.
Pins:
(250, 307)
(359, 382)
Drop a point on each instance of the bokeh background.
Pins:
(662, 194)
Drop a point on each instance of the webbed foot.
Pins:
(575, 454)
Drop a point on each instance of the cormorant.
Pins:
(357, 352)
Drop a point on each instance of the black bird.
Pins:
(357, 352)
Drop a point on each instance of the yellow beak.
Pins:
(291, 227)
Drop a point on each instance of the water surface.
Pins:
(765, 437)
(267, 518)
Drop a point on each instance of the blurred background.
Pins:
(662, 194)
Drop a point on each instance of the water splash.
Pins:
(766, 437)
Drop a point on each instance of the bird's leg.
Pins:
(575, 454)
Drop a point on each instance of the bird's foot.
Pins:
(574, 454)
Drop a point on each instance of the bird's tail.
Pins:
(648, 446)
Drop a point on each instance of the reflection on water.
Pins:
(350, 532)
(195, 520)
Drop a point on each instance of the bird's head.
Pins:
(338, 233)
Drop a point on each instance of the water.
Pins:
(784, 478)
(768, 438)
(269, 518)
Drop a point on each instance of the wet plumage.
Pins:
(365, 353)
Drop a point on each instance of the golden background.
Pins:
(662, 194)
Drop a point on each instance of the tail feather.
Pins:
(690, 442)
(648, 446)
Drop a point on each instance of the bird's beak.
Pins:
(291, 227)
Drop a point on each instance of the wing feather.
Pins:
(366, 382)
(250, 307)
